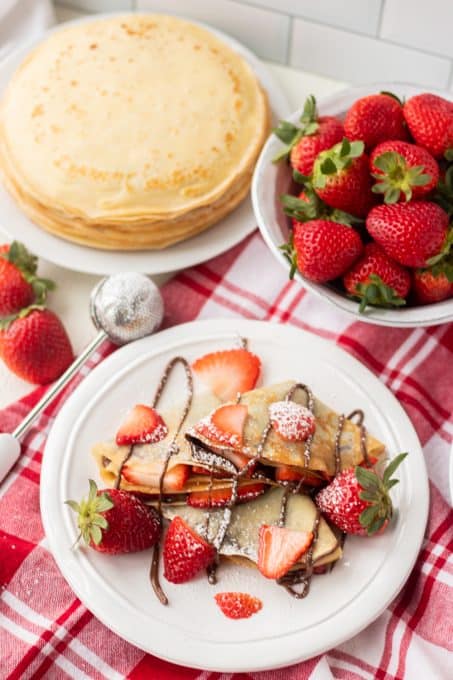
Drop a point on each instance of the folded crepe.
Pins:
(145, 462)
(242, 535)
(278, 451)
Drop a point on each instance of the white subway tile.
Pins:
(425, 25)
(99, 5)
(355, 15)
(360, 59)
(265, 32)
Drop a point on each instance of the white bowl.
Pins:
(270, 180)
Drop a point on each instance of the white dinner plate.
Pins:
(270, 180)
(191, 630)
(215, 240)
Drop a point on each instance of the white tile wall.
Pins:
(352, 40)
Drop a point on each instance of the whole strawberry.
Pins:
(377, 280)
(374, 119)
(410, 233)
(358, 501)
(19, 285)
(35, 345)
(341, 178)
(404, 171)
(115, 521)
(304, 143)
(185, 552)
(429, 287)
(322, 250)
(430, 121)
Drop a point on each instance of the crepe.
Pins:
(131, 132)
(241, 539)
(278, 451)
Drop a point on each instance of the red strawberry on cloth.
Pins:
(322, 250)
(19, 285)
(143, 425)
(304, 143)
(115, 521)
(377, 280)
(341, 178)
(430, 121)
(280, 548)
(357, 501)
(185, 552)
(228, 372)
(429, 287)
(35, 345)
(374, 119)
(238, 605)
(404, 171)
(411, 233)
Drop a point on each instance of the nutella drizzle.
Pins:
(337, 452)
(359, 415)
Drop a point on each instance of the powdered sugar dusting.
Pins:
(159, 433)
(292, 421)
(208, 429)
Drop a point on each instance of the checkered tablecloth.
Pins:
(45, 631)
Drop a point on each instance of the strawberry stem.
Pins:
(376, 493)
(377, 294)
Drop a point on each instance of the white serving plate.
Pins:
(215, 240)
(270, 180)
(117, 590)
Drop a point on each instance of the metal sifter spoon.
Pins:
(123, 307)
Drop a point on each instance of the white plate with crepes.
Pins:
(191, 630)
(225, 234)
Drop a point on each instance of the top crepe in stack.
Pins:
(131, 132)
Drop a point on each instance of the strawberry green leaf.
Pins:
(300, 178)
(377, 293)
(448, 155)
(95, 534)
(73, 505)
(392, 466)
(328, 167)
(367, 479)
(368, 496)
(376, 525)
(368, 516)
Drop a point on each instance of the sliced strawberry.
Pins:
(240, 460)
(228, 372)
(293, 422)
(185, 552)
(142, 425)
(280, 548)
(174, 479)
(196, 470)
(218, 498)
(238, 605)
(286, 473)
(224, 426)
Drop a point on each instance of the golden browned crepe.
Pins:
(131, 132)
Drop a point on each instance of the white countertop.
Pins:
(70, 300)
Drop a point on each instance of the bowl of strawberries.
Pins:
(355, 198)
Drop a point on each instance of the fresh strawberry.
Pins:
(308, 206)
(19, 285)
(224, 426)
(374, 119)
(341, 178)
(35, 345)
(377, 280)
(218, 498)
(286, 473)
(174, 480)
(404, 171)
(280, 548)
(238, 605)
(292, 421)
(322, 250)
(142, 425)
(304, 143)
(430, 121)
(197, 470)
(430, 287)
(228, 372)
(410, 233)
(115, 521)
(357, 501)
(185, 552)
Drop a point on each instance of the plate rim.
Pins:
(109, 261)
(212, 328)
(384, 317)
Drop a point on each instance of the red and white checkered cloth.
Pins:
(47, 633)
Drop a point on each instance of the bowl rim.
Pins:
(411, 317)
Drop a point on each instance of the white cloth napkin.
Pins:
(22, 21)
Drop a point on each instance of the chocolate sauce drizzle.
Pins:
(337, 449)
(359, 415)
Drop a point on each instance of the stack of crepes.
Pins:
(132, 132)
(202, 471)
